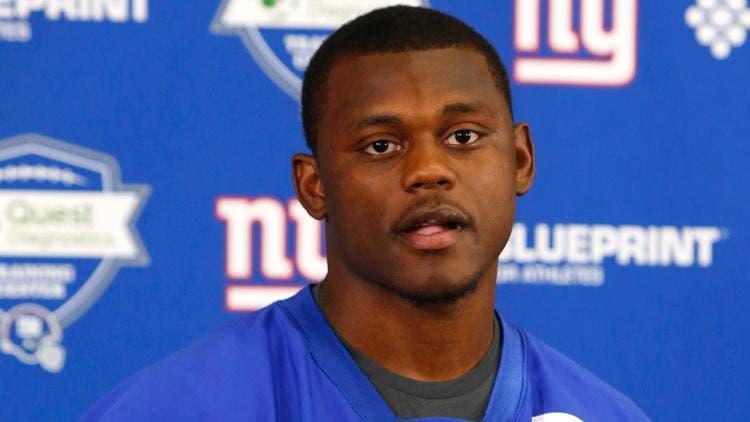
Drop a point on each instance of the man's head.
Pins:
(417, 162)
(390, 30)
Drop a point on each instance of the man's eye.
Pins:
(381, 147)
(462, 137)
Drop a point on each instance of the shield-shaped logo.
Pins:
(67, 224)
(282, 35)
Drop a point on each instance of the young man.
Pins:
(415, 168)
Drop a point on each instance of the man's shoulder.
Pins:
(558, 384)
(203, 378)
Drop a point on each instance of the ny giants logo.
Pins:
(587, 48)
(272, 218)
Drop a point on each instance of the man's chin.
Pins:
(435, 292)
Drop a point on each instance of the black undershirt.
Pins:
(465, 397)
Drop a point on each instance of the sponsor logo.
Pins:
(15, 15)
(584, 50)
(67, 225)
(282, 35)
(553, 254)
(576, 254)
(719, 24)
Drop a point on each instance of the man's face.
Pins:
(417, 156)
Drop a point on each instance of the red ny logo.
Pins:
(610, 53)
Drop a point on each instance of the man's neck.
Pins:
(425, 342)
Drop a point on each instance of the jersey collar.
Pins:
(336, 363)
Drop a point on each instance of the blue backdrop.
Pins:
(145, 186)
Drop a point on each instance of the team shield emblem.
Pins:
(282, 35)
(67, 224)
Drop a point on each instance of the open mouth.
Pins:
(433, 230)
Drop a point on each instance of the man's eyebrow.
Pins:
(466, 108)
(452, 108)
(379, 120)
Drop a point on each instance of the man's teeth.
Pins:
(431, 229)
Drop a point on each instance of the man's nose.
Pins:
(427, 166)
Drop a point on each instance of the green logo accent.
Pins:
(269, 3)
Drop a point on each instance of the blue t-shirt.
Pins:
(285, 363)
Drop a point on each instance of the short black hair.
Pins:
(394, 29)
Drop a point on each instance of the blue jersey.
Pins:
(285, 363)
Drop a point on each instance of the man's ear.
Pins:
(308, 185)
(525, 167)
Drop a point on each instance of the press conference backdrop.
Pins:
(145, 193)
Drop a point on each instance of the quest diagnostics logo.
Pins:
(282, 35)
(67, 225)
(15, 15)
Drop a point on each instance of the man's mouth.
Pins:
(433, 230)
